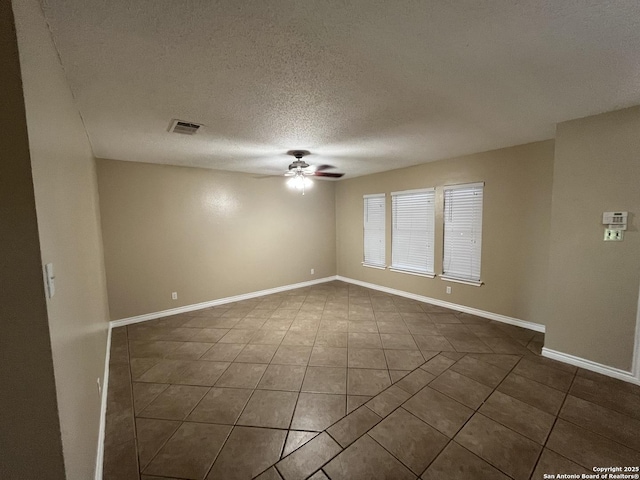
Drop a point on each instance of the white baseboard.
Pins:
(103, 409)
(590, 365)
(453, 306)
(212, 303)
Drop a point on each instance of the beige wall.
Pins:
(207, 234)
(516, 218)
(30, 443)
(594, 284)
(68, 221)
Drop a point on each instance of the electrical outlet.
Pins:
(99, 387)
(174, 295)
(313, 271)
(613, 235)
(448, 289)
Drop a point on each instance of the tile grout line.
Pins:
(450, 439)
(586, 428)
(509, 428)
(326, 430)
(401, 406)
(140, 470)
(242, 411)
(245, 406)
(133, 404)
(476, 411)
(295, 408)
(191, 411)
(306, 369)
(366, 432)
(555, 420)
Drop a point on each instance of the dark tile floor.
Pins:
(342, 382)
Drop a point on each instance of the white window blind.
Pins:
(374, 226)
(462, 232)
(413, 232)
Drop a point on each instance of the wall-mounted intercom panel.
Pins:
(615, 219)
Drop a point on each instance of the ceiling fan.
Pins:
(299, 171)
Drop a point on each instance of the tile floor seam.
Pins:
(446, 394)
(282, 429)
(449, 440)
(275, 465)
(476, 411)
(484, 459)
(326, 430)
(593, 431)
(190, 411)
(539, 382)
(141, 469)
(145, 371)
(217, 454)
(608, 407)
(340, 419)
(555, 421)
(290, 422)
(511, 371)
(499, 368)
(235, 424)
(463, 424)
(133, 405)
(375, 396)
(452, 438)
(169, 438)
(396, 408)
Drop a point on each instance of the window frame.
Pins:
(429, 233)
(476, 238)
(382, 232)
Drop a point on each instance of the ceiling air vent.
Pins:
(186, 128)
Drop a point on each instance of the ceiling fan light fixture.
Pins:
(300, 182)
(299, 171)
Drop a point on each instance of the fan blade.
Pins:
(290, 173)
(330, 175)
(319, 168)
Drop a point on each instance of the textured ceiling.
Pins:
(366, 85)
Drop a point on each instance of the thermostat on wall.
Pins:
(617, 220)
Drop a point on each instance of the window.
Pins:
(462, 233)
(413, 232)
(374, 226)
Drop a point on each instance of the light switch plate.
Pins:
(613, 235)
(51, 286)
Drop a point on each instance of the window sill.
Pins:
(379, 267)
(459, 280)
(409, 272)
